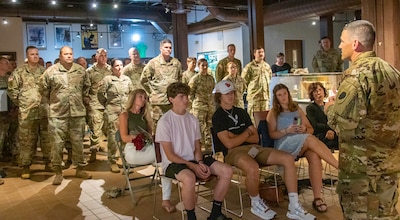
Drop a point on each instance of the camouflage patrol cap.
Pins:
(224, 87)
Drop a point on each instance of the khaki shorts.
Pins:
(243, 151)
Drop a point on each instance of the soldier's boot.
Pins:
(80, 173)
(26, 173)
(48, 167)
(114, 168)
(58, 178)
(69, 159)
(92, 155)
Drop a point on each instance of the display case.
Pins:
(298, 84)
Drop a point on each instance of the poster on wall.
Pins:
(114, 37)
(89, 37)
(62, 36)
(36, 34)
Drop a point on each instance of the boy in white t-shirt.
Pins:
(178, 133)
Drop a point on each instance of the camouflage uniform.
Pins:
(187, 75)
(366, 116)
(155, 78)
(65, 90)
(113, 93)
(257, 77)
(201, 87)
(95, 109)
(327, 61)
(134, 71)
(4, 118)
(240, 87)
(23, 90)
(221, 70)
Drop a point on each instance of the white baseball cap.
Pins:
(224, 87)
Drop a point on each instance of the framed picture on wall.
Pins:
(62, 36)
(89, 37)
(114, 38)
(36, 34)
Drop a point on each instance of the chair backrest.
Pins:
(265, 139)
(217, 145)
(259, 116)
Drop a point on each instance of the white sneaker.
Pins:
(299, 213)
(261, 210)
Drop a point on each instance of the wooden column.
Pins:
(256, 25)
(385, 15)
(326, 27)
(180, 35)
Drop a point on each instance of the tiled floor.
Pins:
(37, 198)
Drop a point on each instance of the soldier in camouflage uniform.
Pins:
(95, 110)
(240, 85)
(257, 75)
(189, 73)
(366, 116)
(201, 87)
(135, 68)
(221, 71)
(327, 59)
(156, 76)
(23, 90)
(113, 94)
(65, 85)
(4, 115)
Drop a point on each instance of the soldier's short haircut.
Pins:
(3, 58)
(99, 51)
(177, 88)
(113, 61)
(230, 45)
(258, 48)
(29, 47)
(201, 60)
(191, 59)
(130, 51)
(362, 31)
(62, 48)
(166, 40)
(280, 54)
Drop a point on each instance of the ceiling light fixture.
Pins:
(94, 5)
(115, 5)
(101, 35)
(78, 35)
(91, 23)
(53, 2)
(13, 1)
(5, 21)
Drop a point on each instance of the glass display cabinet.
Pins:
(298, 84)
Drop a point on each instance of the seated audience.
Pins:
(292, 131)
(178, 133)
(237, 133)
(318, 119)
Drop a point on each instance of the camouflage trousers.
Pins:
(4, 127)
(97, 125)
(30, 132)
(67, 129)
(156, 112)
(205, 120)
(369, 197)
(256, 106)
(112, 127)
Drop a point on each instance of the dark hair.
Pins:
(217, 97)
(280, 54)
(312, 87)
(177, 88)
(276, 107)
(230, 45)
(30, 47)
(201, 60)
(164, 41)
(258, 48)
(113, 61)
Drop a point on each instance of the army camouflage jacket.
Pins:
(327, 61)
(114, 92)
(23, 90)
(240, 87)
(95, 75)
(65, 90)
(257, 77)
(221, 70)
(201, 87)
(134, 71)
(366, 116)
(187, 75)
(156, 77)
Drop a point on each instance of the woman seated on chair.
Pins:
(135, 126)
(292, 131)
(318, 118)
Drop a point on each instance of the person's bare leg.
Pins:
(248, 165)
(188, 180)
(315, 172)
(314, 144)
(287, 161)
(224, 173)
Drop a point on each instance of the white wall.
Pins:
(11, 37)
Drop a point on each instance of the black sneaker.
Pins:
(221, 217)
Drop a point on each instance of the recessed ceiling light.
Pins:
(13, 1)
(5, 21)
(314, 23)
(94, 5)
(53, 2)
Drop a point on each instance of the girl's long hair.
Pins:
(276, 107)
(131, 100)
